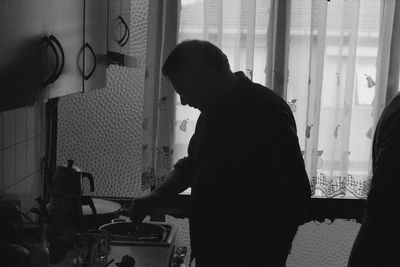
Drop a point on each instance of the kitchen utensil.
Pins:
(140, 244)
(99, 212)
(134, 232)
(65, 191)
(67, 180)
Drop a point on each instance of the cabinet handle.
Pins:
(51, 79)
(55, 40)
(126, 36)
(125, 29)
(87, 77)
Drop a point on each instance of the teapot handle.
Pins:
(91, 181)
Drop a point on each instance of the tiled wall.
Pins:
(101, 130)
(22, 142)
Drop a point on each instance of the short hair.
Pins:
(193, 56)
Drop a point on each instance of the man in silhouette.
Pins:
(378, 241)
(249, 187)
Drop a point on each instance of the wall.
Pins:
(102, 130)
(22, 142)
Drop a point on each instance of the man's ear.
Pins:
(213, 73)
(212, 76)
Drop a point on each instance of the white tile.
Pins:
(9, 192)
(30, 121)
(8, 166)
(39, 154)
(1, 130)
(34, 155)
(23, 190)
(20, 163)
(20, 115)
(43, 145)
(43, 119)
(8, 128)
(30, 156)
(28, 190)
(38, 119)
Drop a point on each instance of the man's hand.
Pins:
(141, 207)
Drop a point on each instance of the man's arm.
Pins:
(177, 181)
(383, 198)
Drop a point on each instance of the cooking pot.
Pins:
(99, 212)
(140, 244)
(121, 231)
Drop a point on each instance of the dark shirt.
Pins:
(377, 242)
(384, 197)
(246, 172)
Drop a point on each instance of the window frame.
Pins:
(320, 209)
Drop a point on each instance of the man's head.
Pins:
(197, 69)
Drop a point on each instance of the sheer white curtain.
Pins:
(335, 58)
(338, 74)
(159, 96)
(240, 29)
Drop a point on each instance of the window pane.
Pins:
(342, 111)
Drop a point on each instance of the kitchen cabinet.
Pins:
(51, 48)
(64, 24)
(21, 28)
(79, 28)
(119, 36)
(95, 45)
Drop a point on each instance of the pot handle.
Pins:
(87, 200)
(118, 220)
(91, 181)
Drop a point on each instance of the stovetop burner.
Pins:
(147, 232)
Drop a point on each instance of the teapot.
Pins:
(65, 196)
(67, 180)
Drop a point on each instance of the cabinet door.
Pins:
(126, 15)
(64, 20)
(95, 47)
(21, 29)
(115, 26)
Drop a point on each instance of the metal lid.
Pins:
(135, 232)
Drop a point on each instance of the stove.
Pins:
(155, 247)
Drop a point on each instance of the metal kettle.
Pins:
(65, 195)
(67, 180)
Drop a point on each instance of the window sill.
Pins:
(320, 209)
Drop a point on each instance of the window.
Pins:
(333, 53)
